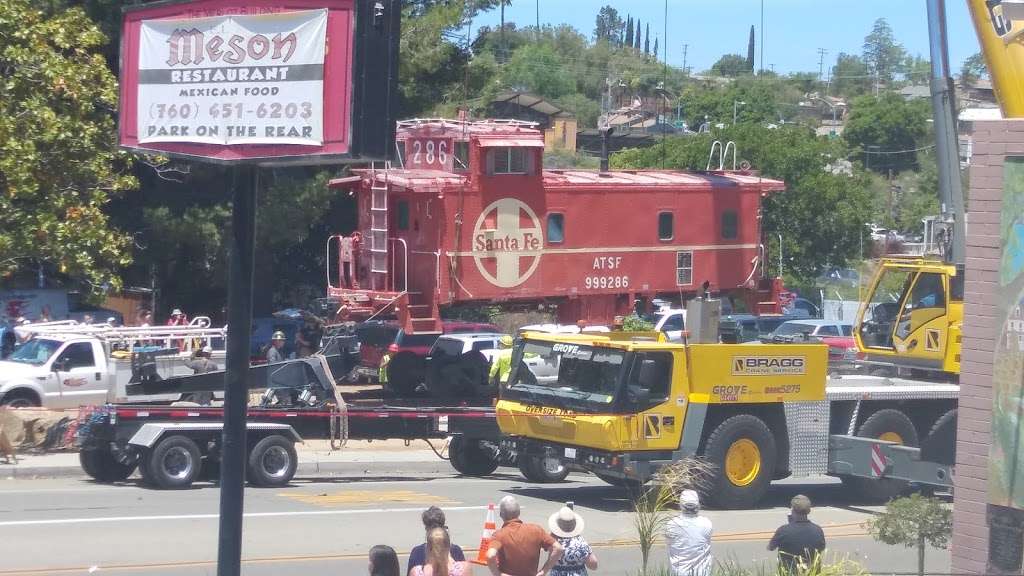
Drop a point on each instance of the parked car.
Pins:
(838, 336)
(671, 321)
(384, 342)
(740, 328)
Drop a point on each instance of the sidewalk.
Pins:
(315, 457)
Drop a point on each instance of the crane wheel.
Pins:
(940, 443)
(886, 424)
(101, 466)
(542, 469)
(742, 451)
(272, 462)
(472, 457)
(173, 463)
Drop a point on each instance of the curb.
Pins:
(21, 472)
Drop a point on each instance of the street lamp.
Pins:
(735, 105)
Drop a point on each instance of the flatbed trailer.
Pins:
(174, 445)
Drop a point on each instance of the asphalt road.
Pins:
(326, 525)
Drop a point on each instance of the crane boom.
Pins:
(951, 196)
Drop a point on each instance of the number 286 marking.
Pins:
(606, 282)
(430, 152)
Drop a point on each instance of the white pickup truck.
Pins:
(67, 366)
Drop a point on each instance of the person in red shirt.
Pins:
(515, 548)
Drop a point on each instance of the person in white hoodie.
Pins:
(688, 536)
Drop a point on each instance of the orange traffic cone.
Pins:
(485, 538)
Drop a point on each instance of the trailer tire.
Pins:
(541, 470)
(742, 450)
(470, 457)
(886, 424)
(272, 462)
(174, 463)
(101, 465)
(940, 443)
(405, 373)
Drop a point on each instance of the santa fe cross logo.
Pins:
(507, 240)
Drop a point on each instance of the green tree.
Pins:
(916, 521)
(536, 68)
(647, 39)
(730, 65)
(850, 76)
(887, 130)
(59, 164)
(608, 25)
(636, 37)
(629, 32)
(820, 213)
(973, 69)
(750, 50)
(881, 51)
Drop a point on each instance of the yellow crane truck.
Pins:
(621, 405)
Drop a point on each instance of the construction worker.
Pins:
(201, 364)
(501, 365)
(274, 353)
(382, 372)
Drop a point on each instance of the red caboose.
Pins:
(472, 216)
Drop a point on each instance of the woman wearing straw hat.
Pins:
(567, 527)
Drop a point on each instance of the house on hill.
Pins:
(559, 126)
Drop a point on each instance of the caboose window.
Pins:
(684, 268)
(730, 224)
(461, 156)
(509, 160)
(556, 228)
(665, 227)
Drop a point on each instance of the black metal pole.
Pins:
(236, 391)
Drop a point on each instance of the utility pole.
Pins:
(821, 62)
(685, 48)
(538, 20)
(761, 67)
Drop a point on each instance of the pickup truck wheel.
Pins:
(405, 373)
(542, 469)
(272, 462)
(940, 443)
(101, 465)
(742, 450)
(173, 463)
(894, 426)
(472, 457)
(20, 399)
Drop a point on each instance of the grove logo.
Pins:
(507, 242)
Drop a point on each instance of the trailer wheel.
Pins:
(101, 465)
(405, 373)
(272, 462)
(542, 469)
(472, 457)
(173, 463)
(891, 425)
(742, 450)
(940, 443)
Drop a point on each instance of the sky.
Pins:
(794, 30)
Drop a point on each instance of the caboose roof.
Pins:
(434, 181)
(647, 179)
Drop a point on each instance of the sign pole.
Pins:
(236, 391)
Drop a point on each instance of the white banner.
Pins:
(233, 79)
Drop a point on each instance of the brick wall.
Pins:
(993, 140)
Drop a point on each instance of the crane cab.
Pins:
(912, 314)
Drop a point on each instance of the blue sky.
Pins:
(794, 29)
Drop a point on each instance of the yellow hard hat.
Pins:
(279, 335)
(505, 341)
